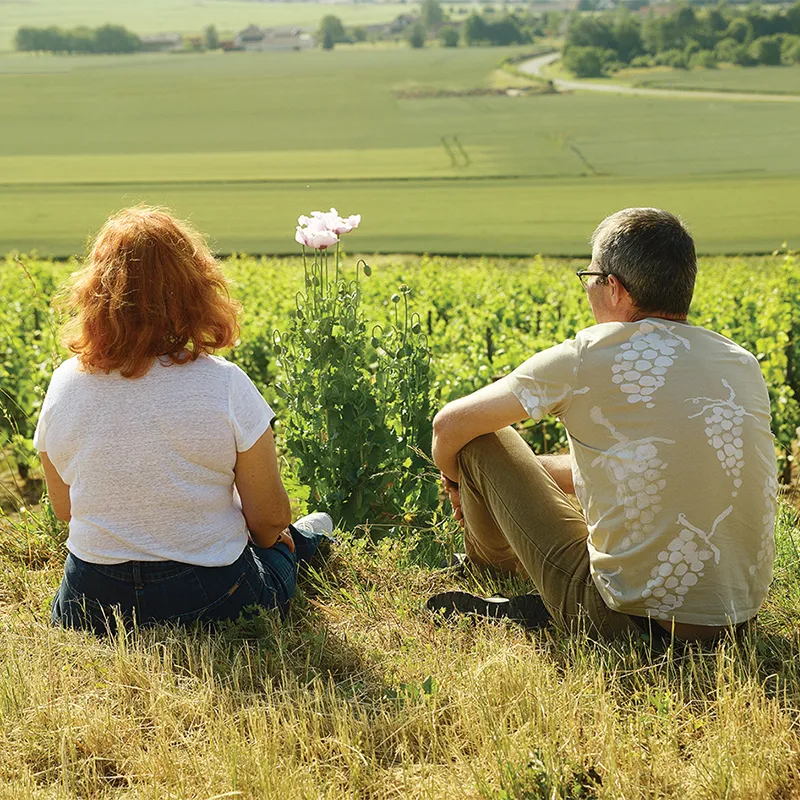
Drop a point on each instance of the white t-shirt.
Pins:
(673, 463)
(149, 461)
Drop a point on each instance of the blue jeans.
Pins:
(169, 591)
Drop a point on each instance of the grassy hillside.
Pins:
(244, 142)
(360, 694)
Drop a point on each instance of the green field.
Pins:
(243, 143)
(767, 80)
(185, 16)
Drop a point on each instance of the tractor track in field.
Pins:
(536, 65)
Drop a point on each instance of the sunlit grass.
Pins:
(362, 694)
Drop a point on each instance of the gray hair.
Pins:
(652, 253)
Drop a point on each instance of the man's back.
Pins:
(674, 465)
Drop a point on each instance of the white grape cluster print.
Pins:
(636, 468)
(643, 361)
(766, 549)
(536, 403)
(681, 566)
(724, 420)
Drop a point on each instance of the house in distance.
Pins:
(255, 38)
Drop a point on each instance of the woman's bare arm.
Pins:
(57, 490)
(265, 504)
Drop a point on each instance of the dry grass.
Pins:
(362, 695)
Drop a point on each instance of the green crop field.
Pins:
(767, 80)
(185, 16)
(242, 143)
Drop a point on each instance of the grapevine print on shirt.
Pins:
(681, 566)
(642, 363)
(537, 404)
(766, 549)
(724, 419)
(635, 467)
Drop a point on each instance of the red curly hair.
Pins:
(151, 288)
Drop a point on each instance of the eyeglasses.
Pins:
(585, 273)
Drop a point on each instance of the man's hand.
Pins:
(455, 499)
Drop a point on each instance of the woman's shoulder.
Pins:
(220, 367)
(66, 371)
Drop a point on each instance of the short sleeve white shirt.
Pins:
(149, 461)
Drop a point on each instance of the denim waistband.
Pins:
(141, 572)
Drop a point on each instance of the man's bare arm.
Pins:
(458, 423)
(560, 469)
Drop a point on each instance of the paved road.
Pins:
(536, 65)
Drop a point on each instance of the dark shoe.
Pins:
(527, 609)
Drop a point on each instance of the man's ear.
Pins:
(619, 294)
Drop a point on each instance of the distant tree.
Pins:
(728, 51)
(115, 39)
(767, 50)
(691, 48)
(670, 36)
(332, 25)
(627, 36)
(474, 29)
(505, 32)
(585, 62)
(703, 59)
(359, 34)
(686, 20)
(431, 14)
(672, 58)
(27, 39)
(449, 37)
(82, 40)
(211, 38)
(416, 35)
(327, 42)
(740, 30)
(791, 53)
(793, 19)
(761, 23)
(590, 31)
(715, 20)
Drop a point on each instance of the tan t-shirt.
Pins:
(673, 462)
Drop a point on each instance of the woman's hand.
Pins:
(285, 537)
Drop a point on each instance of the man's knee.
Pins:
(487, 447)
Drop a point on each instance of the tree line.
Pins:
(596, 44)
(487, 27)
(105, 39)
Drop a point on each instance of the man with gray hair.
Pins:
(671, 457)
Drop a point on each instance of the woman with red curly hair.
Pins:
(159, 454)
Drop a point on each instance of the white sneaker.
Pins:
(318, 522)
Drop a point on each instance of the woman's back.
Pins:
(150, 460)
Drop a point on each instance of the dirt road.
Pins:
(536, 65)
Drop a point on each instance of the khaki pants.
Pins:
(517, 519)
